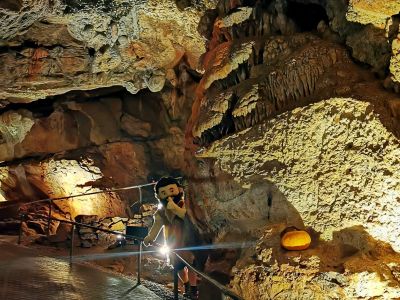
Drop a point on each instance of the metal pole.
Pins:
(139, 264)
(49, 219)
(176, 297)
(71, 249)
(140, 203)
(20, 228)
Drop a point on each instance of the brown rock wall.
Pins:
(85, 45)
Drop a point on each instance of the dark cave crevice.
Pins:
(45, 107)
(39, 108)
(13, 5)
(182, 4)
(306, 16)
(91, 52)
(28, 44)
(206, 23)
(224, 128)
(106, 6)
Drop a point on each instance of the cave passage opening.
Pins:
(306, 16)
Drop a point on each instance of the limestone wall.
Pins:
(333, 160)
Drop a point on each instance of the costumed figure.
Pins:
(179, 231)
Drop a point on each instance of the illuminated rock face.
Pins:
(289, 70)
(61, 178)
(334, 161)
(329, 270)
(79, 44)
(375, 42)
(377, 13)
(286, 130)
(111, 140)
(14, 127)
(335, 165)
(264, 65)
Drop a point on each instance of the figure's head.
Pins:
(168, 187)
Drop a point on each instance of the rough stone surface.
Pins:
(290, 71)
(120, 164)
(171, 149)
(262, 164)
(129, 43)
(70, 177)
(395, 60)
(67, 128)
(379, 30)
(135, 127)
(335, 270)
(14, 126)
(228, 207)
(377, 13)
(333, 161)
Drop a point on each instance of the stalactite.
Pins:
(287, 67)
(253, 57)
(266, 23)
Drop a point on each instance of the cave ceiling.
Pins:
(51, 47)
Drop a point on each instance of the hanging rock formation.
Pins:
(52, 47)
(287, 130)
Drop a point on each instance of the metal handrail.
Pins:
(88, 226)
(86, 194)
(223, 289)
(49, 218)
(79, 195)
(73, 223)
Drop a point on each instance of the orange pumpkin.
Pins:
(296, 240)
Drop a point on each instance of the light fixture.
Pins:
(164, 250)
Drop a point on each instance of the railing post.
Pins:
(176, 278)
(20, 228)
(140, 204)
(139, 263)
(71, 249)
(49, 220)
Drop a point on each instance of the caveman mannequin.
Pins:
(179, 232)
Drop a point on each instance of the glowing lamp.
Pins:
(164, 250)
(296, 240)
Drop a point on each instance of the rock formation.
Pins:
(59, 46)
(266, 126)
(279, 113)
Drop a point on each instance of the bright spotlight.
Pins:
(164, 250)
(119, 237)
(159, 206)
